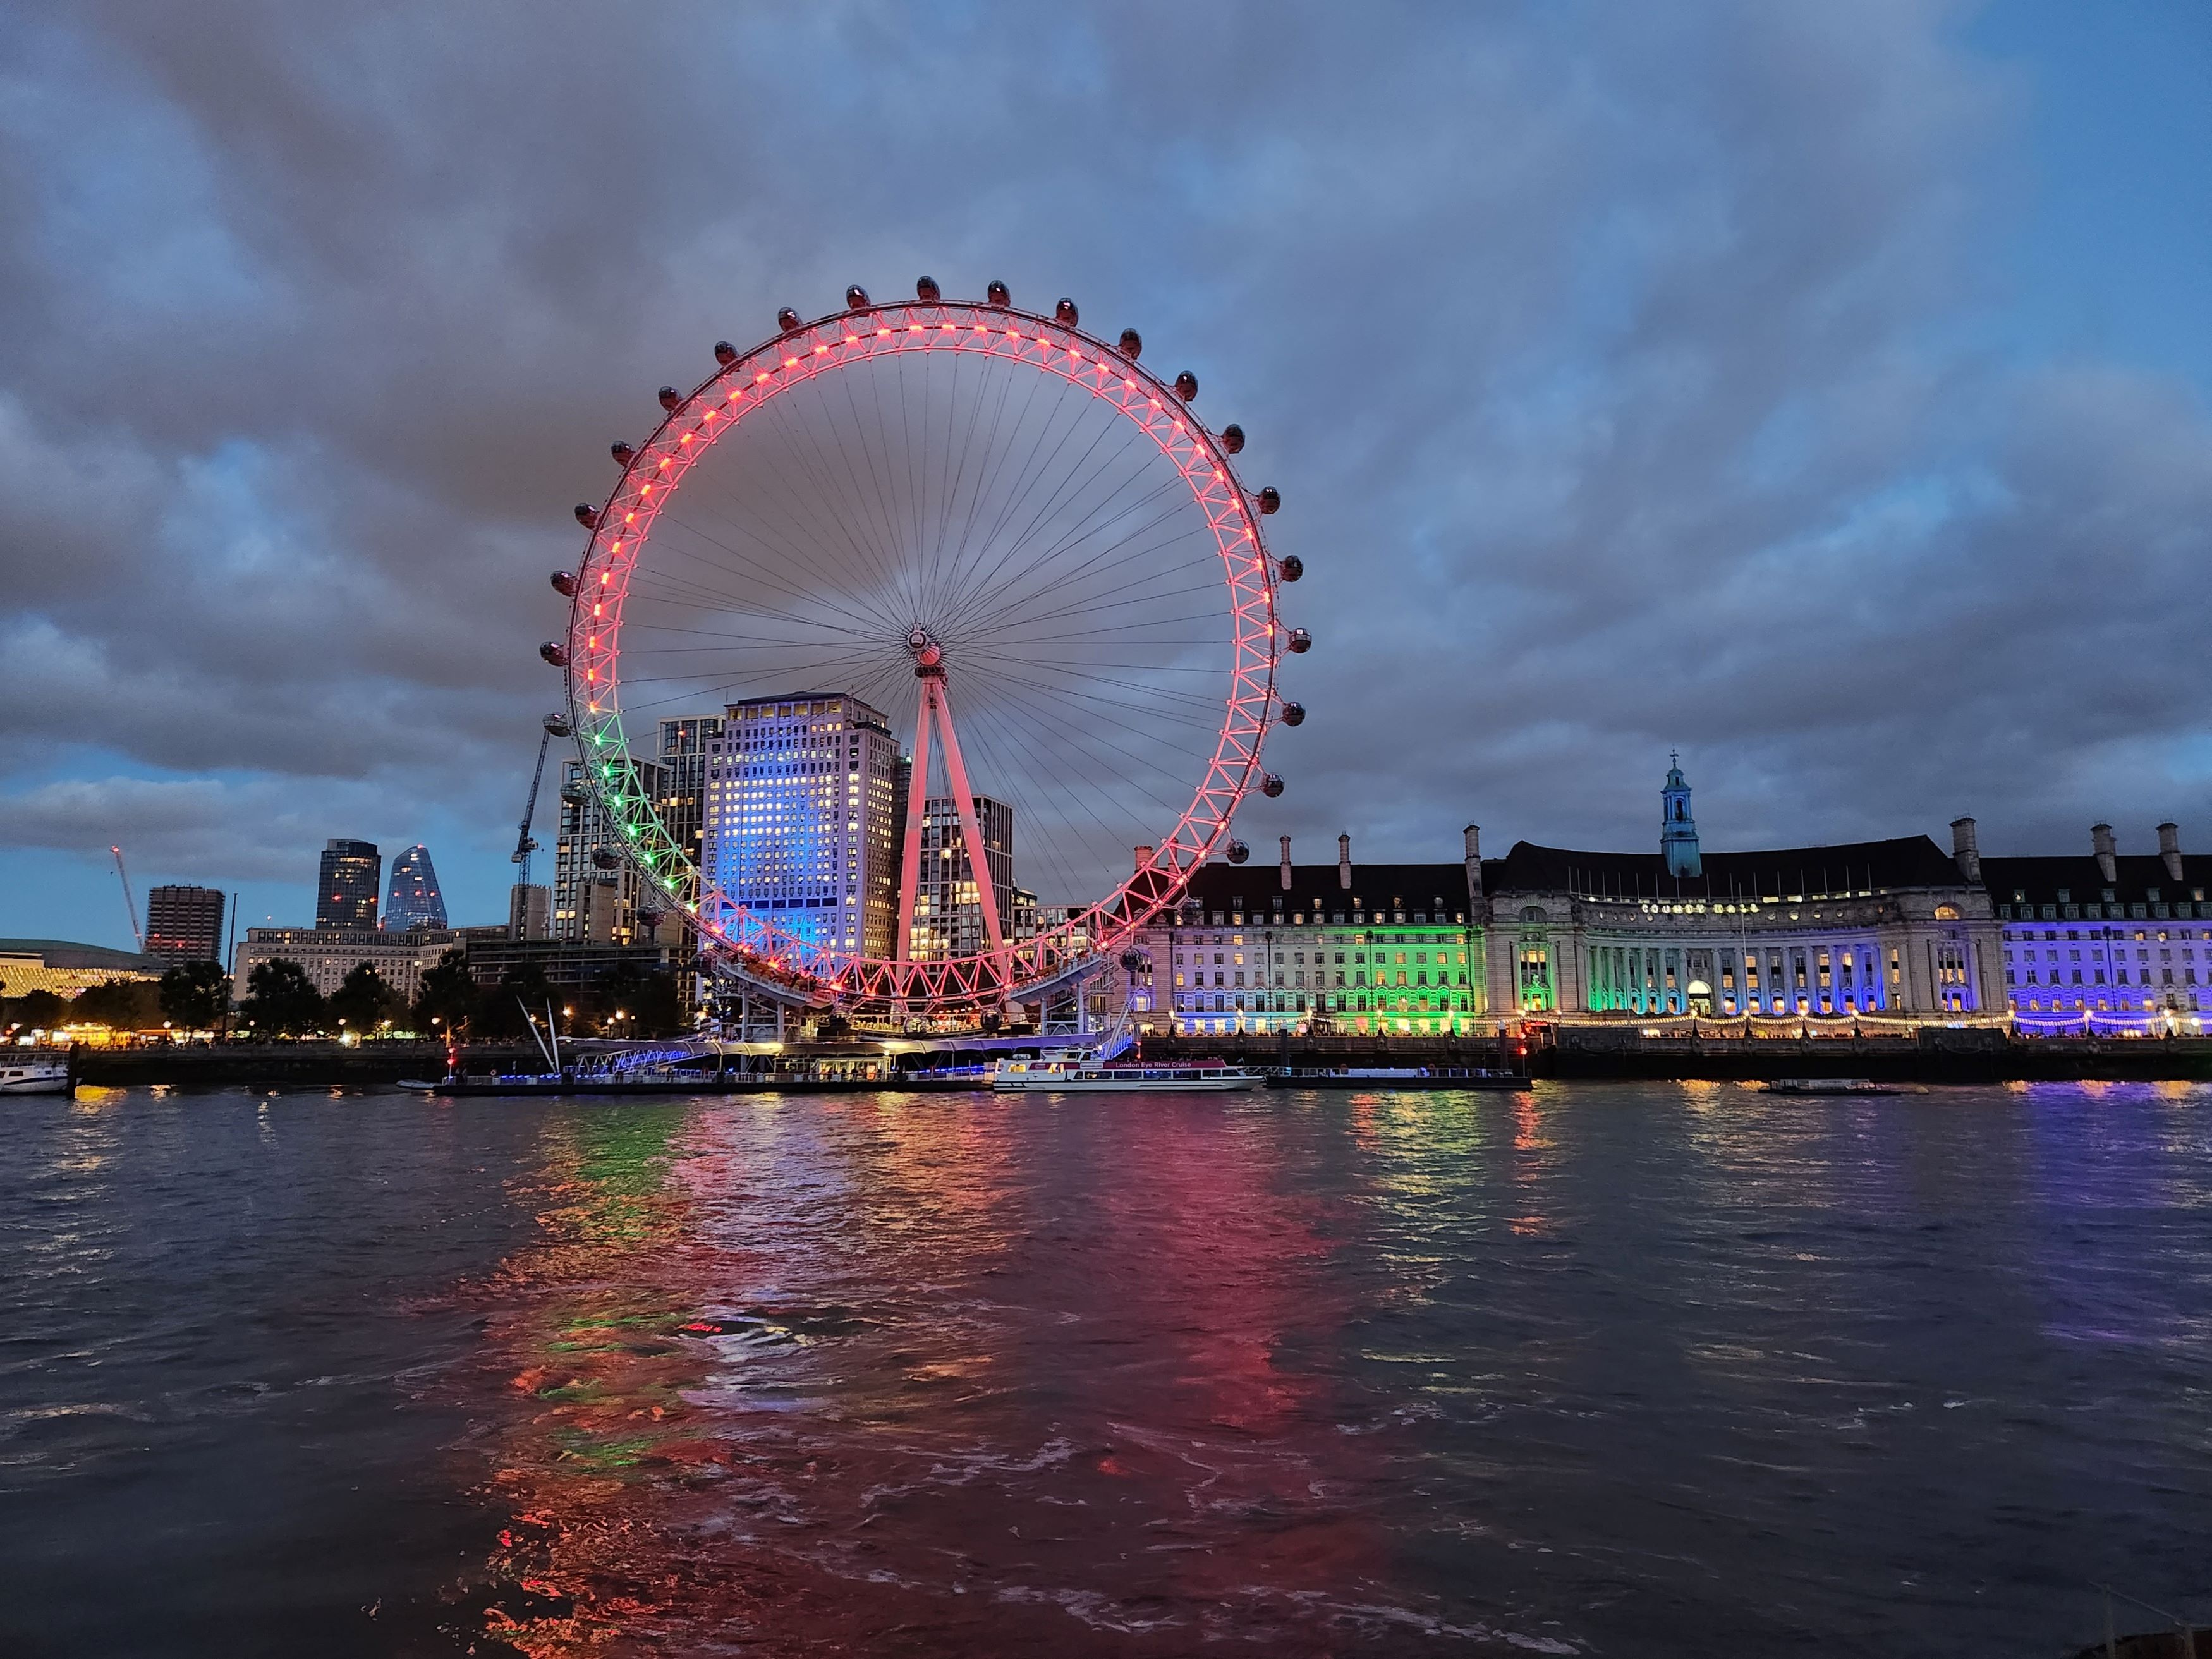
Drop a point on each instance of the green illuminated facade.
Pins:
(1389, 950)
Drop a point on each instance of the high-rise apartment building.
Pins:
(597, 895)
(529, 912)
(797, 824)
(948, 906)
(413, 899)
(347, 896)
(682, 802)
(185, 924)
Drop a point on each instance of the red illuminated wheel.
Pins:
(933, 507)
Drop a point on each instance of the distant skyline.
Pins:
(1824, 392)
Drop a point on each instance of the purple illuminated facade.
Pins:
(2112, 941)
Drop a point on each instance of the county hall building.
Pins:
(1869, 931)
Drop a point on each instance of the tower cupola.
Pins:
(1678, 830)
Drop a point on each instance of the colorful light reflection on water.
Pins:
(1607, 1368)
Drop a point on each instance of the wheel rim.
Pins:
(640, 582)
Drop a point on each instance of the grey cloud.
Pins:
(1602, 357)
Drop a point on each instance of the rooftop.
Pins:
(1906, 861)
(62, 953)
(2141, 878)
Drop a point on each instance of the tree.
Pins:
(281, 1000)
(41, 1010)
(121, 1004)
(363, 1002)
(195, 995)
(447, 999)
(627, 1002)
(522, 989)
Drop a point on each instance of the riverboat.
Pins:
(35, 1076)
(1827, 1085)
(1074, 1073)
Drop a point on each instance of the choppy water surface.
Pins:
(1634, 1370)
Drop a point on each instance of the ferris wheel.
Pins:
(1012, 554)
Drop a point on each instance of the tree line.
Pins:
(281, 1001)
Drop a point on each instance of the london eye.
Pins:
(1001, 550)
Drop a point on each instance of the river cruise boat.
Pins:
(34, 1077)
(1075, 1074)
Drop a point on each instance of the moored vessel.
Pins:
(1070, 1072)
(35, 1076)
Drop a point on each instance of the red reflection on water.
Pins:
(870, 1375)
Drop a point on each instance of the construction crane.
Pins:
(557, 726)
(129, 903)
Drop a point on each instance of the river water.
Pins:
(1637, 1369)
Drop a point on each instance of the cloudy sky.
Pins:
(1822, 390)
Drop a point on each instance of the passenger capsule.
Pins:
(622, 453)
(555, 653)
(574, 794)
(1232, 437)
(648, 919)
(787, 320)
(1186, 385)
(557, 726)
(588, 515)
(1132, 960)
(606, 858)
(1294, 713)
(1132, 344)
(564, 583)
(725, 353)
(1064, 313)
(856, 298)
(670, 397)
(1271, 500)
(1270, 785)
(996, 293)
(1293, 568)
(1301, 642)
(1238, 852)
(926, 291)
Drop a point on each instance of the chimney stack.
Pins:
(1344, 862)
(2100, 838)
(1144, 856)
(1286, 864)
(2169, 849)
(1474, 865)
(1964, 851)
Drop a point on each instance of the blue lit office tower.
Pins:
(347, 894)
(412, 900)
(798, 826)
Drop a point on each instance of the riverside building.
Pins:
(327, 955)
(2112, 941)
(1886, 930)
(1377, 949)
(797, 822)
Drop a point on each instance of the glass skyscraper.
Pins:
(413, 899)
(347, 894)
